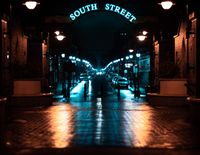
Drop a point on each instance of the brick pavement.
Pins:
(92, 124)
(124, 125)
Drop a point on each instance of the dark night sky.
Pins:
(97, 34)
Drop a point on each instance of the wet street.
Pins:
(102, 119)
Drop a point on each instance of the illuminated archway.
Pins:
(107, 7)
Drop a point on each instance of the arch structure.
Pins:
(107, 7)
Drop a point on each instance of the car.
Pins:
(84, 77)
(122, 82)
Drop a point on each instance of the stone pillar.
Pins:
(34, 55)
(166, 58)
(163, 58)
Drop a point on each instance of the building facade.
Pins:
(23, 50)
(182, 51)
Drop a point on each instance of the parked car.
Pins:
(121, 82)
(84, 77)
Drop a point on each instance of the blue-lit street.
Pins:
(100, 77)
(101, 119)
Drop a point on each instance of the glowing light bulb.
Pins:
(141, 37)
(166, 5)
(60, 37)
(31, 4)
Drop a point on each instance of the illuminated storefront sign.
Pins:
(107, 7)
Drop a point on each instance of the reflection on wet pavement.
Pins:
(102, 119)
(61, 126)
(101, 123)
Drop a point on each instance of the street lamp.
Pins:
(138, 55)
(57, 32)
(166, 4)
(131, 50)
(31, 4)
(63, 55)
(56, 61)
(144, 32)
(142, 35)
(59, 36)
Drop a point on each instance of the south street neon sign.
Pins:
(107, 7)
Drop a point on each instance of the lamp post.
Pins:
(132, 71)
(56, 60)
(137, 75)
(135, 72)
(136, 68)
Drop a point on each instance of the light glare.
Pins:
(141, 37)
(60, 37)
(166, 5)
(131, 50)
(138, 55)
(57, 32)
(63, 55)
(144, 32)
(31, 4)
